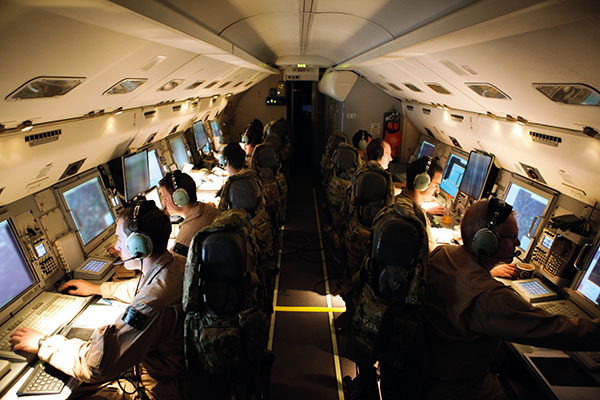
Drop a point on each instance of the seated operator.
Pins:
(253, 136)
(178, 193)
(149, 335)
(235, 158)
(380, 151)
(467, 313)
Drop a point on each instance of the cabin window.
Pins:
(570, 93)
(194, 85)
(126, 86)
(225, 84)
(394, 86)
(436, 87)
(412, 87)
(213, 83)
(487, 90)
(172, 84)
(45, 86)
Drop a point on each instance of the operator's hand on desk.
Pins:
(26, 340)
(504, 271)
(80, 287)
(113, 252)
(436, 210)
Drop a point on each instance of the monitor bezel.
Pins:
(487, 173)
(162, 171)
(212, 131)
(543, 220)
(32, 290)
(208, 138)
(72, 183)
(581, 300)
(170, 140)
(137, 153)
(460, 154)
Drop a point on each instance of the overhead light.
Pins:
(118, 111)
(214, 98)
(228, 95)
(445, 107)
(491, 114)
(2, 128)
(510, 118)
(521, 120)
(439, 106)
(25, 126)
(100, 112)
(301, 65)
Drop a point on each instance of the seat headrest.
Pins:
(266, 156)
(223, 257)
(275, 141)
(396, 242)
(243, 194)
(345, 159)
(370, 186)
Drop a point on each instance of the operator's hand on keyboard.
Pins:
(504, 271)
(80, 287)
(113, 252)
(26, 340)
(436, 210)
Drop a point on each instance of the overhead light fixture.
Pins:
(510, 118)
(25, 126)
(2, 128)
(491, 114)
(228, 95)
(118, 111)
(439, 106)
(521, 120)
(445, 107)
(100, 112)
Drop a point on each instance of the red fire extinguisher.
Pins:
(391, 131)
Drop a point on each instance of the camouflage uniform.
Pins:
(201, 216)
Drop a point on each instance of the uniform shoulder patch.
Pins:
(134, 318)
(180, 249)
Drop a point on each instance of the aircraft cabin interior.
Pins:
(104, 99)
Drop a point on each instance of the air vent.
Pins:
(426, 111)
(194, 85)
(381, 86)
(238, 84)
(545, 139)
(150, 114)
(44, 137)
(412, 87)
(409, 108)
(457, 117)
(177, 108)
(213, 83)
(225, 84)
(248, 84)
(394, 86)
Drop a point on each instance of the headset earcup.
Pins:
(422, 182)
(485, 242)
(245, 138)
(180, 198)
(362, 144)
(140, 244)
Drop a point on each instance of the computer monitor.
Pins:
(588, 285)
(453, 174)
(16, 276)
(136, 173)
(214, 127)
(476, 174)
(88, 207)
(154, 196)
(179, 151)
(202, 142)
(156, 172)
(531, 204)
(426, 149)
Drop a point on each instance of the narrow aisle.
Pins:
(302, 342)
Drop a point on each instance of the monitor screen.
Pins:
(528, 202)
(202, 142)
(179, 152)
(15, 275)
(453, 174)
(154, 196)
(589, 285)
(136, 173)
(156, 172)
(89, 209)
(476, 173)
(214, 126)
(426, 149)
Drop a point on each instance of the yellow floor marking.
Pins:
(336, 358)
(309, 309)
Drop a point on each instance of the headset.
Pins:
(485, 241)
(180, 196)
(422, 180)
(138, 243)
(362, 143)
(245, 137)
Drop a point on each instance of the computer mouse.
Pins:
(67, 289)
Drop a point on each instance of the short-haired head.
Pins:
(375, 149)
(183, 181)
(479, 216)
(418, 167)
(152, 222)
(234, 156)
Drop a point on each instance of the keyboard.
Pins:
(44, 379)
(46, 313)
(562, 307)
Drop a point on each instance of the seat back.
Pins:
(370, 191)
